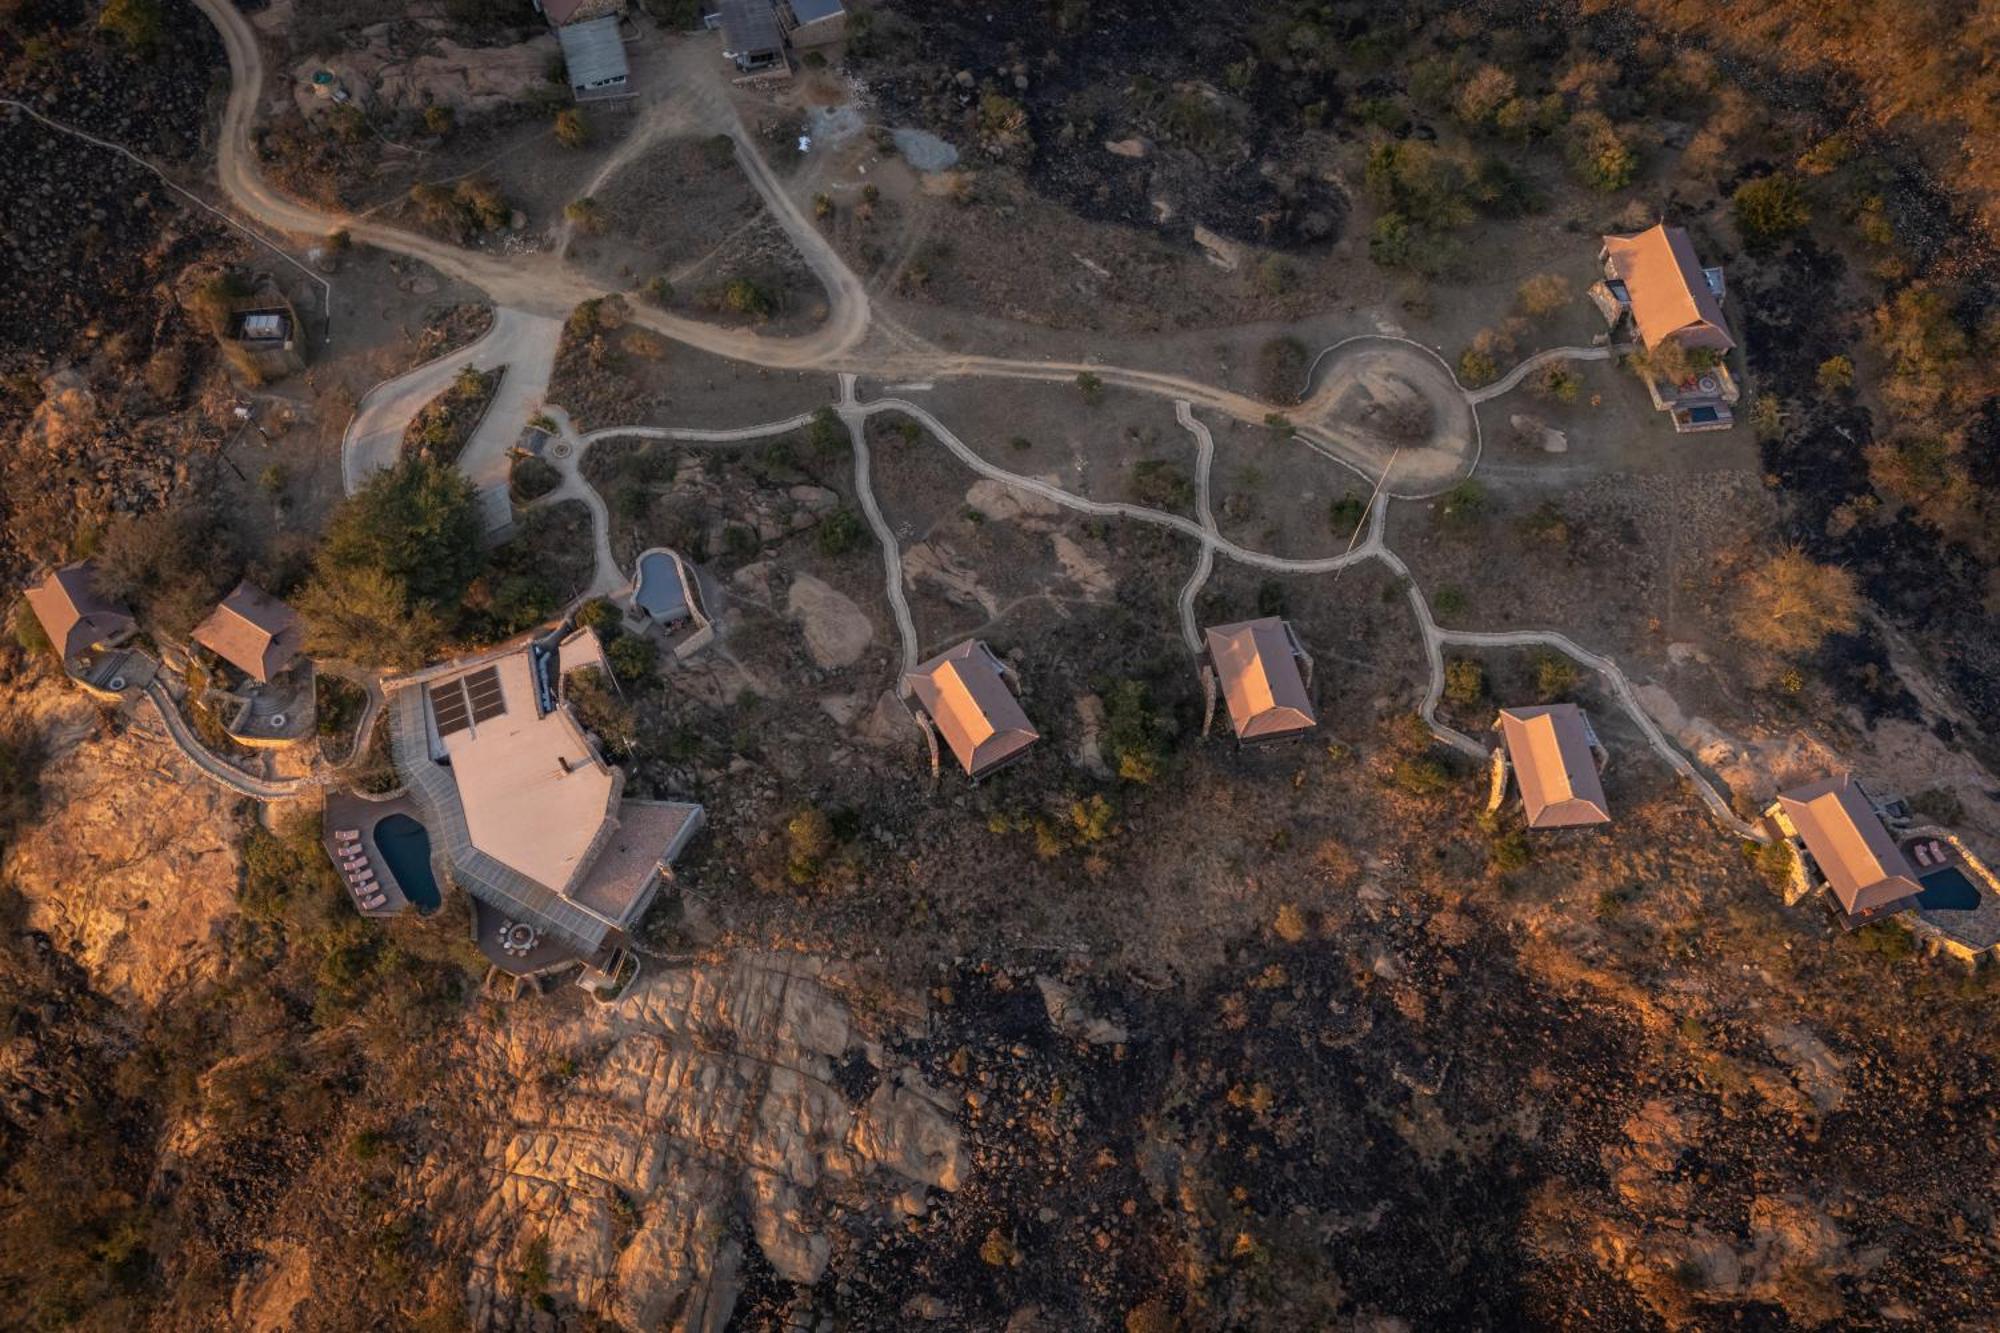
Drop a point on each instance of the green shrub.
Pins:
(809, 841)
(633, 658)
(1421, 775)
(1091, 386)
(1162, 484)
(1476, 367)
(1464, 681)
(1508, 851)
(1769, 210)
(1344, 514)
(1135, 732)
(828, 434)
(572, 131)
(1555, 676)
(1463, 504)
(1836, 375)
(1449, 600)
(840, 532)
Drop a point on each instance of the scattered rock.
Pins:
(1069, 1017)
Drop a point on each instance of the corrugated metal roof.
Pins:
(974, 710)
(812, 11)
(1550, 747)
(750, 27)
(1861, 862)
(1670, 294)
(1259, 675)
(595, 54)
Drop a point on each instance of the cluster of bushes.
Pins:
(462, 212)
(634, 658)
(440, 430)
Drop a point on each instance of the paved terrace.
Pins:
(501, 886)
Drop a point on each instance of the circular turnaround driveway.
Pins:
(1377, 401)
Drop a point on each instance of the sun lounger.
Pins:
(1937, 851)
(361, 882)
(370, 904)
(347, 835)
(1922, 854)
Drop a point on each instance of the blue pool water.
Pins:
(659, 593)
(407, 848)
(1948, 889)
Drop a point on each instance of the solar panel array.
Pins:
(449, 707)
(458, 704)
(483, 688)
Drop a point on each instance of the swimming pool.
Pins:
(1948, 889)
(660, 593)
(407, 848)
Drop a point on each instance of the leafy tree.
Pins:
(137, 23)
(1596, 154)
(1091, 386)
(809, 841)
(572, 131)
(418, 522)
(633, 658)
(398, 558)
(1789, 604)
(439, 119)
(1476, 366)
(1836, 375)
(1543, 294)
(586, 213)
(840, 532)
(597, 704)
(362, 613)
(172, 564)
(1482, 95)
(1769, 210)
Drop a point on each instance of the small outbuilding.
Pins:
(752, 37)
(253, 632)
(1264, 676)
(76, 618)
(1556, 757)
(1836, 829)
(593, 46)
(962, 695)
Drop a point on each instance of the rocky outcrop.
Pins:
(131, 868)
(643, 1147)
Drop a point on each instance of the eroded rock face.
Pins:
(132, 866)
(648, 1143)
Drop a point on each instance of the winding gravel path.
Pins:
(1513, 378)
(1204, 565)
(205, 759)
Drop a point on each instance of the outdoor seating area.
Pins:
(351, 855)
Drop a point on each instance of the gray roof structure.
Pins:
(594, 53)
(750, 27)
(812, 11)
